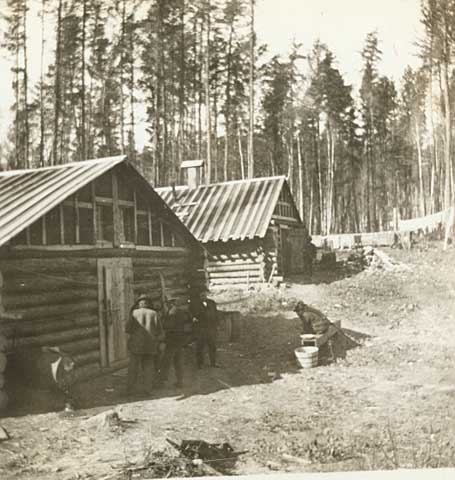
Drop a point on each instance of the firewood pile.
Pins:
(374, 259)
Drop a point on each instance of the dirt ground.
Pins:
(388, 404)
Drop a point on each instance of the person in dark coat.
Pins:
(309, 255)
(145, 334)
(177, 327)
(205, 318)
(313, 320)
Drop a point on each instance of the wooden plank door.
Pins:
(115, 293)
(286, 254)
(297, 238)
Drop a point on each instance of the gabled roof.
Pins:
(26, 195)
(236, 210)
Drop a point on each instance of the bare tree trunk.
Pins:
(300, 166)
(419, 159)
(26, 116)
(132, 135)
(181, 136)
(83, 123)
(434, 157)
(208, 113)
(227, 112)
(57, 86)
(17, 115)
(251, 93)
(448, 136)
(319, 167)
(199, 133)
(41, 90)
(122, 79)
(242, 161)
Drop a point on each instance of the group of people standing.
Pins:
(158, 330)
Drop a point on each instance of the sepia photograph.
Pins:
(227, 239)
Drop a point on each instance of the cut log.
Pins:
(51, 267)
(58, 338)
(28, 284)
(81, 346)
(18, 301)
(231, 264)
(90, 306)
(87, 357)
(234, 281)
(216, 268)
(93, 370)
(241, 274)
(43, 326)
(159, 262)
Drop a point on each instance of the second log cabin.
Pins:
(251, 229)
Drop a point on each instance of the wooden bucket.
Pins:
(308, 340)
(307, 356)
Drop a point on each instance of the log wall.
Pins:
(54, 295)
(57, 302)
(240, 263)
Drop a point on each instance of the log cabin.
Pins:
(251, 229)
(78, 242)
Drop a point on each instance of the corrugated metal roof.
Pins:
(26, 195)
(236, 210)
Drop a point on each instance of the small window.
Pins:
(86, 226)
(143, 230)
(36, 233)
(156, 233)
(53, 227)
(167, 235)
(103, 186)
(69, 224)
(105, 223)
(128, 224)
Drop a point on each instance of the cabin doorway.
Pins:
(291, 246)
(115, 293)
(286, 253)
(296, 239)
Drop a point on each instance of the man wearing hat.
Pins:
(177, 327)
(205, 315)
(145, 334)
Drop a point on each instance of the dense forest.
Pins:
(209, 91)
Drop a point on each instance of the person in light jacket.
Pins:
(145, 335)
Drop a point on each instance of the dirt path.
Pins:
(389, 403)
